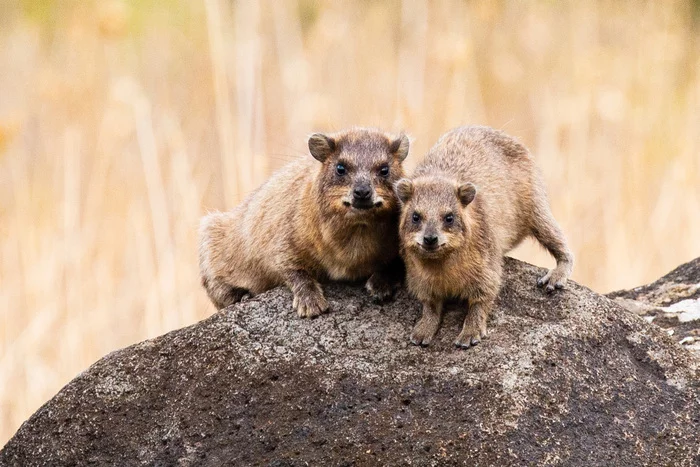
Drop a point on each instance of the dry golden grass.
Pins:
(122, 122)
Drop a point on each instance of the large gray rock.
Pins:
(569, 379)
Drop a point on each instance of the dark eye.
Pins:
(449, 219)
(384, 171)
(340, 169)
(416, 217)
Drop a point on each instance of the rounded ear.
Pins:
(321, 146)
(399, 147)
(466, 193)
(404, 190)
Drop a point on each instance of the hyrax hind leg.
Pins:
(382, 284)
(546, 230)
(221, 293)
(309, 301)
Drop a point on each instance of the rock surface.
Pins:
(569, 379)
(672, 302)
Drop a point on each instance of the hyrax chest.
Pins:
(358, 255)
(437, 281)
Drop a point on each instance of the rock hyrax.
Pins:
(476, 196)
(334, 217)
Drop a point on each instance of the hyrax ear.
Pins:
(404, 190)
(399, 147)
(466, 193)
(321, 146)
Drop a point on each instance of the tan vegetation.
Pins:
(123, 122)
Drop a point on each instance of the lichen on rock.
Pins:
(672, 303)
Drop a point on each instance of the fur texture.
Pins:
(330, 218)
(476, 196)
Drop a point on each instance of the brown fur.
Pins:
(303, 225)
(489, 184)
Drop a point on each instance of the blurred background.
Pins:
(124, 121)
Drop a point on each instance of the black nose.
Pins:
(430, 240)
(362, 193)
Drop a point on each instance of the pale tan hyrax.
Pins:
(476, 196)
(334, 217)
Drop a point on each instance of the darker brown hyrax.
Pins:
(334, 217)
(476, 196)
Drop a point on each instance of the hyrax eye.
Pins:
(340, 169)
(384, 171)
(416, 218)
(449, 219)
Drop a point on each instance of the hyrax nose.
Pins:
(362, 192)
(430, 240)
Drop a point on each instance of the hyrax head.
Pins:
(360, 167)
(434, 215)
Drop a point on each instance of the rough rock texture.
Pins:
(570, 379)
(672, 302)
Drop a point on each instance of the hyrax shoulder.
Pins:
(330, 217)
(476, 196)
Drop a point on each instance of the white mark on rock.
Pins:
(686, 310)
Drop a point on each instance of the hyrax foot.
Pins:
(222, 294)
(554, 279)
(310, 303)
(379, 288)
(468, 338)
(424, 331)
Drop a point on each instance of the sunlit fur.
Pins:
(510, 204)
(301, 227)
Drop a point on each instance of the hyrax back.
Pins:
(329, 218)
(476, 196)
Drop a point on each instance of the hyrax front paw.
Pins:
(379, 288)
(468, 338)
(554, 279)
(310, 303)
(424, 331)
